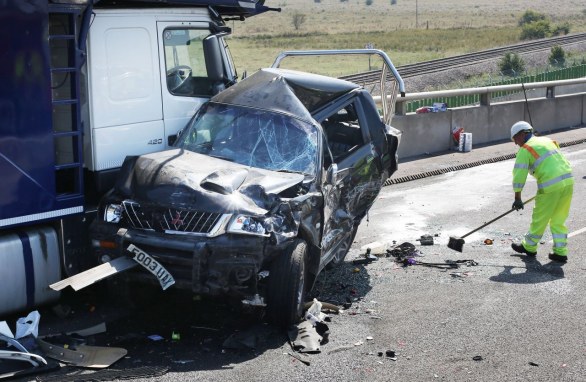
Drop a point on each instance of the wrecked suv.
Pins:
(264, 187)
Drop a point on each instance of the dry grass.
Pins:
(444, 28)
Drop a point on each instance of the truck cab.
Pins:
(147, 73)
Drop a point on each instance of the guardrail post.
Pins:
(400, 108)
(485, 99)
(550, 92)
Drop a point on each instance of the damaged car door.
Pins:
(355, 176)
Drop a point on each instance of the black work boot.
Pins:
(558, 258)
(518, 247)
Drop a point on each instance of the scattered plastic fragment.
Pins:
(28, 325)
(341, 348)
(533, 364)
(425, 240)
(477, 358)
(183, 361)
(155, 337)
(367, 259)
(175, 336)
(390, 353)
(488, 241)
(300, 358)
(369, 338)
(314, 313)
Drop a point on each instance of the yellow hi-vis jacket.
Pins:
(542, 157)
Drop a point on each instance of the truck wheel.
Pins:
(287, 285)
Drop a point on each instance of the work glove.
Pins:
(517, 205)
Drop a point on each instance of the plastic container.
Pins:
(465, 143)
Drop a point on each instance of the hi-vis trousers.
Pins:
(550, 208)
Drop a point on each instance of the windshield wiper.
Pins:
(222, 157)
(291, 171)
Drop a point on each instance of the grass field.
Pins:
(409, 31)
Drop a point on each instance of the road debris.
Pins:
(26, 353)
(304, 337)
(375, 248)
(477, 358)
(109, 375)
(425, 240)
(367, 259)
(300, 358)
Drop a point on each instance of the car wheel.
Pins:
(287, 285)
(342, 249)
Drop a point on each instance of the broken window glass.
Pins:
(253, 137)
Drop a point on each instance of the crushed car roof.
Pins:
(286, 91)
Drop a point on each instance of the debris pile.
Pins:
(26, 353)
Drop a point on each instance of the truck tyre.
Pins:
(287, 285)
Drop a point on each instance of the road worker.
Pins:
(542, 157)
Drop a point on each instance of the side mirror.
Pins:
(214, 62)
(331, 173)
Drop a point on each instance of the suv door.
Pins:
(357, 179)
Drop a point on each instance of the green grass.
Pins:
(435, 29)
(403, 47)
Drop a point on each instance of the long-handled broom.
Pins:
(457, 243)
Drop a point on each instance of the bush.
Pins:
(369, 2)
(297, 19)
(557, 57)
(531, 16)
(561, 29)
(511, 64)
(535, 30)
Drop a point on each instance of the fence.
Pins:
(572, 72)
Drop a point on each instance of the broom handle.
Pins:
(495, 219)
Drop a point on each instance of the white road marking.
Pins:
(582, 230)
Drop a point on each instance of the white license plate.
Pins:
(152, 265)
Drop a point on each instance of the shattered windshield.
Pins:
(252, 137)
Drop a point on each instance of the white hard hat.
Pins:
(520, 126)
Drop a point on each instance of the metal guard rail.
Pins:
(483, 92)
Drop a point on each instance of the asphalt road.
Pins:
(508, 318)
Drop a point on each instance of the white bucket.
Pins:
(465, 143)
(29, 264)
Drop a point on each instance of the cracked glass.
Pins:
(253, 137)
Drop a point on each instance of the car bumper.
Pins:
(226, 264)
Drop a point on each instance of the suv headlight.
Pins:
(247, 225)
(113, 213)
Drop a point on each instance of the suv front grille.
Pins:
(166, 219)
